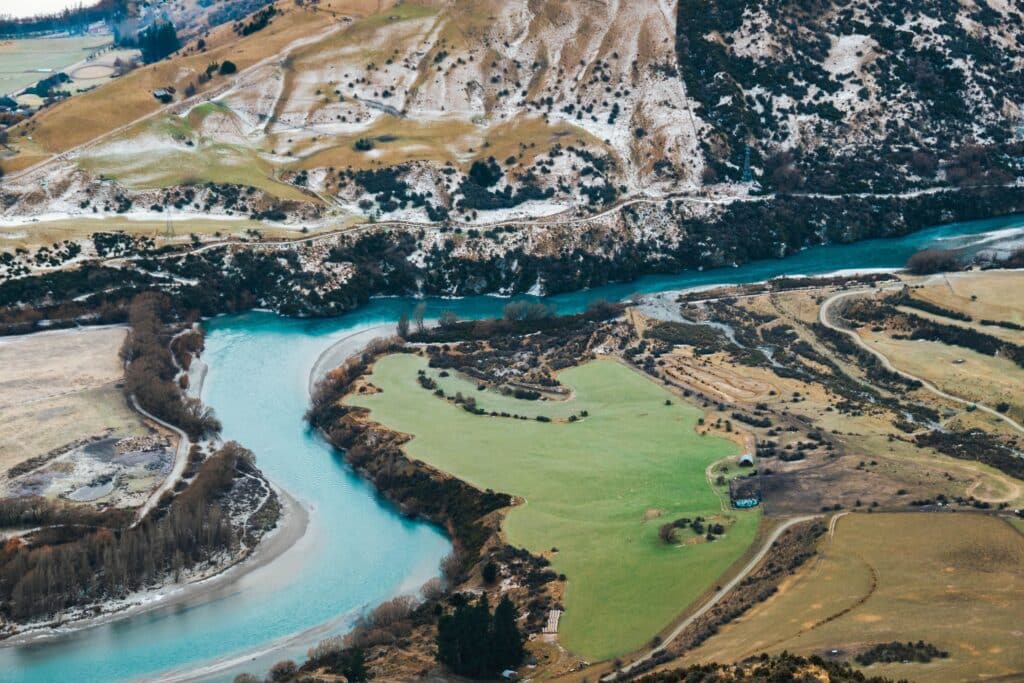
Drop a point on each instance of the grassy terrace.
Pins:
(950, 580)
(597, 489)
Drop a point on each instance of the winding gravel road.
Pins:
(180, 460)
(825, 318)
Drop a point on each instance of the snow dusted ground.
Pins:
(603, 70)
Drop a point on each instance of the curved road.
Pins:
(180, 459)
(717, 597)
(825, 319)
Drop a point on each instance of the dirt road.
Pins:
(825, 317)
(180, 460)
(717, 597)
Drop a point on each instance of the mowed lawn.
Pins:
(589, 486)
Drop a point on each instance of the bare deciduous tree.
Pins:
(403, 325)
(417, 316)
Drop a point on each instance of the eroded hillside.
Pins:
(563, 105)
(430, 110)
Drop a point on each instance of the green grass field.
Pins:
(20, 60)
(597, 489)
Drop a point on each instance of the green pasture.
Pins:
(22, 59)
(596, 489)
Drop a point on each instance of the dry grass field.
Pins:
(873, 461)
(959, 371)
(36, 234)
(954, 582)
(991, 295)
(874, 468)
(96, 113)
(445, 138)
(59, 387)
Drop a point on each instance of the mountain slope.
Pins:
(432, 110)
(858, 95)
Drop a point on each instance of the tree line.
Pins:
(151, 369)
(475, 643)
(40, 579)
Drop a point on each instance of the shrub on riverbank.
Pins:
(931, 261)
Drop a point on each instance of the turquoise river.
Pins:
(357, 550)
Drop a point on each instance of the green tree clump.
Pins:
(158, 41)
(472, 642)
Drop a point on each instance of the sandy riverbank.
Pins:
(349, 345)
(290, 528)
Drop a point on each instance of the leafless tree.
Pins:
(417, 316)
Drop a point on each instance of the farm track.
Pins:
(717, 597)
(180, 460)
(826, 319)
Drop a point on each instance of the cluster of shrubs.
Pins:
(928, 261)
(929, 307)
(974, 444)
(900, 652)
(119, 243)
(667, 532)
(259, 21)
(47, 87)
(781, 667)
(704, 339)
(954, 335)
(151, 370)
(752, 420)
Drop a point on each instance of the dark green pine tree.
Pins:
(158, 41)
(506, 641)
(462, 639)
(476, 639)
(472, 643)
(354, 666)
(449, 651)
